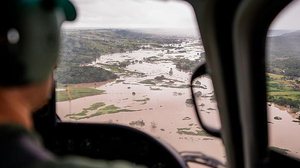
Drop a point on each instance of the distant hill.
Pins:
(175, 32)
(276, 32)
(285, 45)
(81, 46)
(284, 54)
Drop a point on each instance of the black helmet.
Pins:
(29, 38)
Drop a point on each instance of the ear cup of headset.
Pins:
(29, 39)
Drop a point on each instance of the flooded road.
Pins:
(157, 93)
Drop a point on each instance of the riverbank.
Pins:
(90, 85)
(284, 91)
(283, 131)
(291, 112)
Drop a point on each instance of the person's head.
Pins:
(29, 47)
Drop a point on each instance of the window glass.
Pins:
(283, 81)
(129, 62)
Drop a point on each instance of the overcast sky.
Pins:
(133, 14)
(155, 14)
(289, 18)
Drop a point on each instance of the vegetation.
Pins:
(183, 129)
(283, 91)
(284, 70)
(184, 64)
(96, 110)
(154, 88)
(148, 82)
(151, 59)
(84, 46)
(186, 118)
(140, 123)
(153, 125)
(162, 81)
(174, 86)
(94, 106)
(75, 93)
(281, 150)
(119, 68)
(189, 101)
(143, 101)
(83, 74)
(283, 54)
(187, 131)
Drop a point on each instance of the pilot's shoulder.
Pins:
(79, 162)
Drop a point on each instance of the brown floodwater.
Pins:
(284, 133)
(165, 110)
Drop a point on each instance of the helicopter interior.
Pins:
(233, 35)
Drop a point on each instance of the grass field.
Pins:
(187, 131)
(75, 93)
(97, 109)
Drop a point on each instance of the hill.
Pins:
(284, 54)
(84, 46)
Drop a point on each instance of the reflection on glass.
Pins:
(283, 72)
(206, 102)
(135, 71)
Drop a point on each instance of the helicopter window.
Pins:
(129, 62)
(283, 81)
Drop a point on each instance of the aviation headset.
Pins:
(29, 38)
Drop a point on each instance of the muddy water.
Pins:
(166, 110)
(163, 114)
(284, 133)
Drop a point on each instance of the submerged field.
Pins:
(147, 87)
(152, 94)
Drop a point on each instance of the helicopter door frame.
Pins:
(215, 20)
(250, 32)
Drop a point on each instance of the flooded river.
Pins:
(160, 107)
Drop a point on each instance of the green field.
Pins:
(97, 109)
(284, 91)
(75, 93)
(187, 131)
